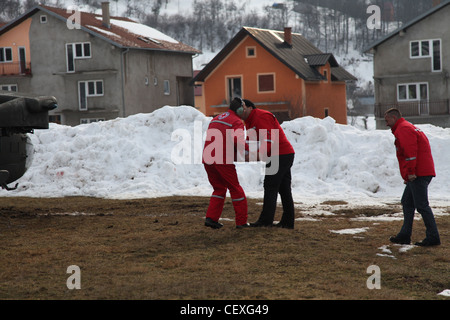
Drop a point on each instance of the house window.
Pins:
(70, 58)
(420, 49)
(82, 50)
(43, 19)
(437, 64)
(266, 83)
(6, 55)
(93, 88)
(427, 49)
(325, 74)
(166, 87)
(415, 52)
(54, 119)
(90, 120)
(9, 87)
(77, 51)
(412, 92)
(23, 61)
(327, 112)
(234, 88)
(82, 95)
(251, 52)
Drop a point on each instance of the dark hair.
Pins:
(236, 104)
(393, 112)
(250, 104)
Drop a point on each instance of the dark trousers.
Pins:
(415, 197)
(280, 182)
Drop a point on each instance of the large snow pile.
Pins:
(158, 154)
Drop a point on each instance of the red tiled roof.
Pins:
(121, 36)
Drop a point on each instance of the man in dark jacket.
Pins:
(277, 151)
(417, 170)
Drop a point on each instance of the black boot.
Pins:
(259, 224)
(213, 224)
(428, 243)
(284, 226)
(400, 240)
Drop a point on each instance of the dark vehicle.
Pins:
(20, 114)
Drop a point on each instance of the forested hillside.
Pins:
(337, 26)
(332, 25)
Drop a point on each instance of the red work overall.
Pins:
(225, 138)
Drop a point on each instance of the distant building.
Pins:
(362, 106)
(198, 95)
(279, 71)
(104, 68)
(411, 69)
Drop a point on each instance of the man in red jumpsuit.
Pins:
(417, 170)
(277, 151)
(225, 143)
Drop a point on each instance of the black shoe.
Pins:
(213, 224)
(428, 243)
(280, 225)
(243, 226)
(259, 224)
(400, 240)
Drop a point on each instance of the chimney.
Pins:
(288, 35)
(436, 3)
(105, 15)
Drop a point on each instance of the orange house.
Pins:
(279, 71)
(15, 53)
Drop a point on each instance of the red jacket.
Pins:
(225, 140)
(263, 122)
(413, 150)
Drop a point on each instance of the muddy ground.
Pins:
(159, 249)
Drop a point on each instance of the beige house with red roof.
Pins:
(98, 67)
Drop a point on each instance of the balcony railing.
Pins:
(415, 108)
(15, 68)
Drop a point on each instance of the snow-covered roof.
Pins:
(141, 29)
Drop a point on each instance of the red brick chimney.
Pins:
(436, 3)
(288, 35)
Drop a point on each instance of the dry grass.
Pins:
(159, 249)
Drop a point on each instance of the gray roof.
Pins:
(407, 25)
(316, 60)
(302, 57)
(340, 74)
